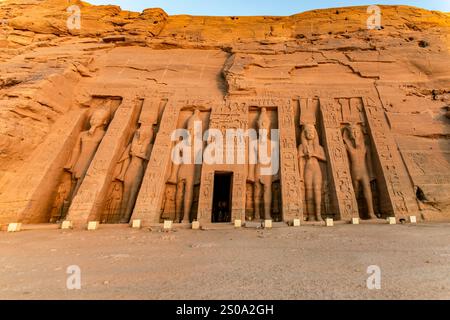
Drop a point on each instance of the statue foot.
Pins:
(319, 218)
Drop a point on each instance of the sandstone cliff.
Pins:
(46, 68)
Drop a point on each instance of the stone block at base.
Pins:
(329, 222)
(296, 223)
(355, 220)
(413, 219)
(136, 224)
(237, 223)
(195, 225)
(66, 225)
(14, 227)
(267, 224)
(391, 220)
(93, 225)
(168, 224)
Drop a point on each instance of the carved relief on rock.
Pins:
(185, 176)
(397, 196)
(358, 158)
(352, 158)
(310, 153)
(61, 203)
(312, 162)
(113, 203)
(131, 165)
(82, 154)
(260, 180)
(85, 147)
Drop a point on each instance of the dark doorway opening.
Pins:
(222, 197)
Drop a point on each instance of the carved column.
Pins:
(290, 179)
(238, 194)
(343, 195)
(205, 200)
(27, 197)
(89, 199)
(151, 194)
(401, 200)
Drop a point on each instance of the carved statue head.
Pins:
(144, 133)
(309, 133)
(354, 132)
(99, 118)
(263, 121)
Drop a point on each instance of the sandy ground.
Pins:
(283, 263)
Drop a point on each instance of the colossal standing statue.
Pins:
(84, 151)
(310, 152)
(186, 176)
(357, 152)
(133, 161)
(263, 183)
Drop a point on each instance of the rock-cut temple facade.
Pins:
(360, 117)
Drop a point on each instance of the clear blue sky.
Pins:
(257, 7)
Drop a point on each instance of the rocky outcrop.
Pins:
(53, 17)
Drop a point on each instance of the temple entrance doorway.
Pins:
(223, 182)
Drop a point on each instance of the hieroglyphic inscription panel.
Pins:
(344, 200)
(399, 188)
(151, 194)
(290, 177)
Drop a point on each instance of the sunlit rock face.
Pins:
(90, 95)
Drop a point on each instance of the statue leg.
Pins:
(188, 199)
(257, 200)
(318, 195)
(75, 185)
(75, 189)
(267, 200)
(368, 196)
(356, 188)
(133, 180)
(179, 200)
(251, 173)
(309, 194)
